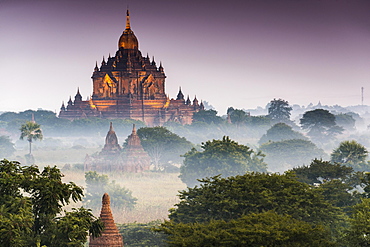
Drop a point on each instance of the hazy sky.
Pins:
(239, 53)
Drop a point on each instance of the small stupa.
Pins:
(110, 236)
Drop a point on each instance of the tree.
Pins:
(31, 205)
(284, 155)
(207, 116)
(6, 147)
(280, 132)
(162, 145)
(31, 131)
(97, 185)
(142, 234)
(351, 153)
(279, 110)
(345, 121)
(358, 234)
(237, 117)
(225, 157)
(229, 198)
(256, 229)
(320, 125)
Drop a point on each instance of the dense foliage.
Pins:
(31, 205)
(225, 157)
(279, 110)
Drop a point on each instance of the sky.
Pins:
(239, 53)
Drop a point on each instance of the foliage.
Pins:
(284, 155)
(320, 125)
(225, 157)
(358, 234)
(30, 203)
(97, 185)
(319, 171)
(256, 229)
(237, 117)
(279, 110)
(229, 198)
(162, 145)
(207, 116)
(142, 234)
(6, 147)
(345, 121)
(31, 131)
(351, 153)
(280, 132)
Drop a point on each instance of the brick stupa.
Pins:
(110, 236)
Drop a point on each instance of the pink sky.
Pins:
(229, 53)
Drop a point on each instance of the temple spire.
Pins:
(128, 26)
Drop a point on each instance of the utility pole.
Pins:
(362, 96)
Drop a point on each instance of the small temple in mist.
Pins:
(129, 85)
(132, 158)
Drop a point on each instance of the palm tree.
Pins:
(31, 131)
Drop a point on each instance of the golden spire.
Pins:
(128, 27)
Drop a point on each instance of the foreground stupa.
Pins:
(110, 236)
(129, 85)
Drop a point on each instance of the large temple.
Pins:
(129, 85)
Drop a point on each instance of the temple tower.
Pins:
(110, 236)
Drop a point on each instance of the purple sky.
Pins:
(239, 53)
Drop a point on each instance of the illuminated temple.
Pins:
(129, 85)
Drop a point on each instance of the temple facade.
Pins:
(110, 235)
(129, 85)
(113, 158)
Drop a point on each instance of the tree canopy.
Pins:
(320, 124)
(284, 155)
(97, 185)
(351, 153)
(225, 157)
(31, 205)
(207, 116)
(162, 145)
(280, 132)
(279, 110)
(31, 131)
(6, 147)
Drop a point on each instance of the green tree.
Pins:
(142, 234)
(351, 153)
(6, 147)
(280, 132)
(225, 157)
(320, 125)
(256, 229)
(162, 145)
(31, 205)
(97, 185)
(358, 234)
(284, 155)
(237, 117)
(279, 110)
(207, 116)
(31, 131)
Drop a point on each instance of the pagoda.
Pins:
(110, 235)
(129, 85)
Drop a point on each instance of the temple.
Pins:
(113, 158)
(110, 235)
(129, 85)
